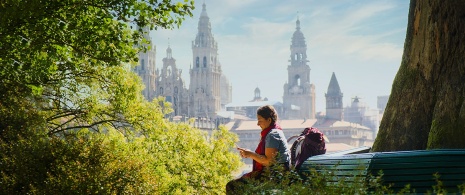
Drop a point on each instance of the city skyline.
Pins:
(361, 41)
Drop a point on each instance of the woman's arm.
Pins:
(265, 160)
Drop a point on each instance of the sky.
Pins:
(361, 41)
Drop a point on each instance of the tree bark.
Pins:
(426, 108)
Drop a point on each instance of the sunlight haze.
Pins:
(360, 40)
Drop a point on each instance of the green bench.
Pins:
(416, 168)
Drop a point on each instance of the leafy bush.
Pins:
(181, 160)
(325, 182)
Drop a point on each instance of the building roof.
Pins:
(245, 125)
(297, 124)
(334, 147)
(226, 114)
(254, 104)
(248, 124)
(241, 117)
(333, 88)
(298, 39)
(336, 123)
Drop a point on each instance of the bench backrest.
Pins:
(416, 168)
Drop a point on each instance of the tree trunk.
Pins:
(426, 108)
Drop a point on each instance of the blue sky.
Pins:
(360, 40)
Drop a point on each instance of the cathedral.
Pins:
(206, 74)
(146, 68)
(299, 93)
(209, 89)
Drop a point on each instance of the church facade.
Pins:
(209, 89)
(171, 85)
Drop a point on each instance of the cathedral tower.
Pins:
(146, 67)
(334, 105)
(205, 74)
(299, 94)
(171, 86)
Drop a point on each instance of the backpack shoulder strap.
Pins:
(292, 137)
(296, 149)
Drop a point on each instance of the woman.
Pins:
(272, 148)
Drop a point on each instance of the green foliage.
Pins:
(67, 56)
(82, 162)
(326, 182)
(72, 116)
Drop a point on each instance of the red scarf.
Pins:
(257, 167)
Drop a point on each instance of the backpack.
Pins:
(309, 143)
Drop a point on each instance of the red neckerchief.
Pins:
(257, 167)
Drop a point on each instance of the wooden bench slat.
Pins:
(336, 162)
(439, 170)
(409, 165)
(420, 159)
(425, 177)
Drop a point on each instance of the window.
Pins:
(297, 80)
(197, 62)
(204, 61)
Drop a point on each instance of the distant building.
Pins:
(341, 134)
(171, 85)
(335, 126)
(382, 103)
(334, 107)
(206, 74)
(299, 94)
(249, 109)
(209, 89)
(146, 68)
(361, 114)
(226, 91)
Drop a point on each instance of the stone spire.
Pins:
(169, 52)
(204, 36)
(333, 87)
(298, 46)
(205, 75)
(334, 106)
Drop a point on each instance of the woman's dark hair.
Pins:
(267, 112)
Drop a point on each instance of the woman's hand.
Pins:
(266, 160)
(245, 153)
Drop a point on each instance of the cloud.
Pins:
(352, 38)
(353, 33)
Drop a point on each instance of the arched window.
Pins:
(176, 90)
(297, 80)
(197, 62)
(142, 64)
(161, 90)
(204, 61)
